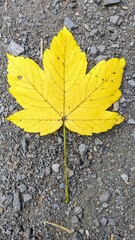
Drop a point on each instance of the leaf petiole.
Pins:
(65, 165)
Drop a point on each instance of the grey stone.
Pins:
(96, 222)
(68, 23)
(2, 108)
(105, 205)
(14, 48)
(47, 171)
(22, 187)
(25, 145)
(27, 197)
(103, 221)
(59, 140)
(77, 236)
(62, 186)
(16, 202)
(114, 36)
(111, 222)
(98, 142)
(114, 19)
(8, 199)
(109, 2)
(133, 133)
(81, 231)
(131, 83)
(83, 149)
(1, 210)
(98, 1)
(131, 121)
(56, 167)
(105, 196)
(101, 48)
(70, 173)
(78, 210)
(74, 220)
(93, 50)
(93, 32)
(100, 58)
(4, 178)
(116, 106)
(124, 177)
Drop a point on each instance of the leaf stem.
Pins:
(65, 165)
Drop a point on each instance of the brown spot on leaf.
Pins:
(19, 77)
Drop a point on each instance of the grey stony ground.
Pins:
(102, 167)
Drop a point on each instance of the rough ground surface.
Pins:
(102, 182)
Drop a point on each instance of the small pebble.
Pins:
(109, 2)
(98, 1)
(114, 36)
(77, 236)
(96, 222)
(111, 222)
(93, 32)
(116, 106)
(105, 205)
(16, 202)
(100, 58)
(114, 19)
(47, 171)
(98, 142)
(83, 149)
(101, 48)
(81, 231)
(2, 109)
(93, 50)
(124, 177)
(105, 196)
(27, 197)
(1, 210)
(133, 133)
(59, 140)
(131, 83)
(131, 121)
(68, 23)
(56, 167)
(22, 187)
(74, 220)
(70, 173)
(25, 144)
(78, 210)
(14, 48)
(103, 221)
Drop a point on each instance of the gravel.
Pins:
(111, 222)
(109, 2)
(105, 196)
(131, 83)
(124, 177)
(93, 50)
(22, 188)
(16, 202)
(27, 197)
(69, 23)
(31, 192)
(56, 167)
(114, 19)
(14, 48)
(103, 221)
(74, 220)
(83, 149)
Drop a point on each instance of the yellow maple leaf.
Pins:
(62, 93)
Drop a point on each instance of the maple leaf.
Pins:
(62, 93)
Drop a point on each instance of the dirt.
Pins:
(102, 182)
